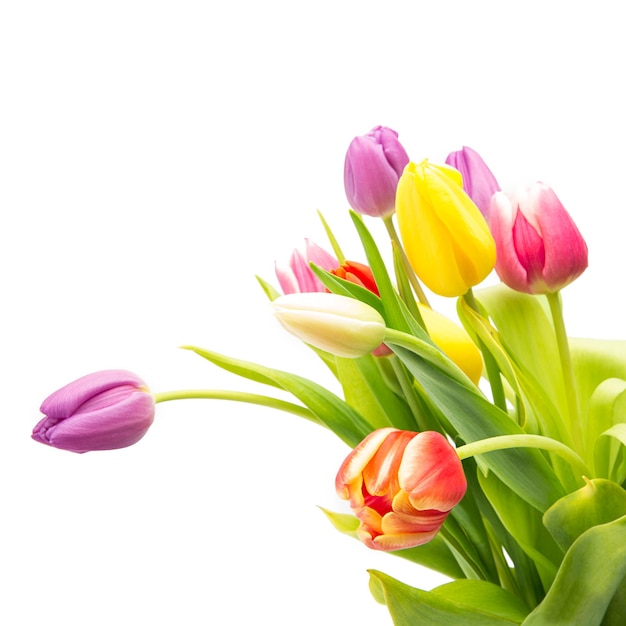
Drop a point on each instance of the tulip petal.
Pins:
(116, 426)
(373, 164)
(286, 278)
(380, 473)
(317, 255)
(357, 460)
(501, 221)
(478, 180)
(530, 251)
(369, 180)
(307, 281)
(454, 342)
(539, 247)
(337, 324)
(566, 250)
(394, 524)
(445, 236)
(432, 473)
(391, 543)
(67, 400)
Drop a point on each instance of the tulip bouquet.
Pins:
(491, 448)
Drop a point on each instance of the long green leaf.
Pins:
(336, 414)
(365, 389)
(525, 525)
(396, 314)
(524, 470)
(606, 430)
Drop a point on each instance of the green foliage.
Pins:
(459, 603)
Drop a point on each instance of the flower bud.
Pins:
(539, 248)
(101, 411)
(297, 277)
(478, 181)
(337, 324)
(358, 274)
(373, 165)
(401, 485)
(446, 238)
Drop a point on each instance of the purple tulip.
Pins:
(374, 163)
(478, 181)
(539, 249)
(101, 411)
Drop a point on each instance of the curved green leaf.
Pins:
(600, 501)
(591, 574)
(606, 430)
(594, 361)
(459, 603)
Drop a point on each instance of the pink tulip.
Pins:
(297, 277)
(478, 181)
(373, 165)
(539, 249)
(401, 486)
(101, 411)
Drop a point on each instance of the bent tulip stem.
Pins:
(506, 442)
(235, 396)
(567, 369)
(393, 235)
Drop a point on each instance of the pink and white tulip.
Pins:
(539, 249)
(297, 277)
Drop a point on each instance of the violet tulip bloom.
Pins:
(297, 277)
(401, 486)
(539, 249)
(478, 181)
(101, 411)
(373, 165)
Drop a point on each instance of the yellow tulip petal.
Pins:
(445, 236)
(454, 342)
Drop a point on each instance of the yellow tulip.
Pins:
(446, 238)
(454, 342)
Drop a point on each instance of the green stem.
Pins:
(505, 442)
(493, 371)
(417, 288)
(407, 385)
(567, 369)
(237, 396)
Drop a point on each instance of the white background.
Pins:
(154, 157)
